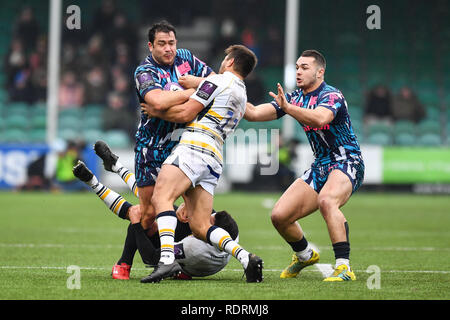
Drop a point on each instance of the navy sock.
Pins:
(300, 245)
(341, 250)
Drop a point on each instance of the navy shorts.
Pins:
(148, 163)
(317, 175)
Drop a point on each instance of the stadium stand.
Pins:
(399, 54)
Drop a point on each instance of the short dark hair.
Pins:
(225, 221)
(320, 59)
(245, 59)
(162, 26)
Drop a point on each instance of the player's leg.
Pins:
(200, 207)
(170, 185)
(111, 163)
(114, 201)
(334, 194)
(298, 201)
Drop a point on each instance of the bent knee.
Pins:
(279, 217)
(327, 204)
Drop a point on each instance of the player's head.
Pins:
(239, 59)
(225, 221)
(310, 69)
(162, 42)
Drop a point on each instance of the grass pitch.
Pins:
(406, 236)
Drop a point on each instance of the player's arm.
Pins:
(315, 118)
(262, 112)
(192, 82)
(160, 100)
(180, 113)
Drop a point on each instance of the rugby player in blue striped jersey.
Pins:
(336, 173)
(158, 79)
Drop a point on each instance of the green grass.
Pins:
(407, 236)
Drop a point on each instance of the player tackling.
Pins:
(195, 165)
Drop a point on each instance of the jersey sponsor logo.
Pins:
(184, 68)
(206, 90)
(308, 128)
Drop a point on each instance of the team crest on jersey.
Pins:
(144, 80)
(206, 90)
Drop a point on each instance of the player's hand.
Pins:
(182, 213)
(189, 81)
(148, 110)
(280, 98)
(134, 214)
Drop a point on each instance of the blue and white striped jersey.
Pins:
(336, 141)
(154, 133)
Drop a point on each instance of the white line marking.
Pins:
(231, 270)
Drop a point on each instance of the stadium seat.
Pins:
(117, 139)
(432, 113)
(429, 140)
(379, 127)
(68, 134)
(73, 112)
(92, 135)
(38, 122)
(70, 122)
(16, 122)
(405, 139)
(18, 109)
(37, 135)
(379, 138)
(93, 122)
(429, 126)
(14, 136)
(404, 126)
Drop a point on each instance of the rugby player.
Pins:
(196, 258)
(337, 172)
(194, 166)
(156, 78)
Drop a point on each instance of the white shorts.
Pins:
(202, 169)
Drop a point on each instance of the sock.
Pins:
(167, 222)
(146, 249)
(302, 249)
(127, 176)
(129, 248)
(221, 239)
(114, 201)
(342, 253)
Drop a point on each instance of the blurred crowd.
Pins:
(98, 61)
(382, 105)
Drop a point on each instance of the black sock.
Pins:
(154, 239)
(129, 248)
(145, 246)
(300, 245)
(341, 250)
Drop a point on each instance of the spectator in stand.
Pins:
(103, 18)
(38, 66)
(27, 29)
(121, 86)
(15, 60)
(71, 91)
(378, 105)
(406, 106)
(96, 86)
(95, 55)
(118, 116)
